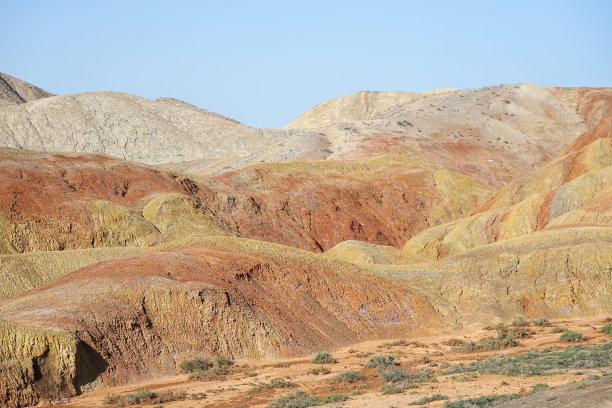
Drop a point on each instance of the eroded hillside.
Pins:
(414, 214)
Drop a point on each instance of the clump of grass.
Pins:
(193, 364)
(145, 396)
(381, 361)
(323, 357)
(484, 401)
(542, 362)
(541, 322)
(428, 399)
(301, 399)
(393, 388)
(538, 387)
(581, 385)
(275, 383)
(571, 335)
(349, 376)
(521, 322)
(557, 329)
(607, 329)
(333, 398)
(319, 370)
(296, 399)
(203, 369)
(215, 373)
(392, 374)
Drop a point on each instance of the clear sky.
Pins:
(264, 63)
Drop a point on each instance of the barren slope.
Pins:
(255, 300)
(492, 134)
(15, 91)
(56, 202)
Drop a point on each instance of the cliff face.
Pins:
(36, 363)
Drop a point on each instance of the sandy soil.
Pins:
(411, 353)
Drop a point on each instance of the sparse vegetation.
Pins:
(541, 362)
(484, 401)
(607, 329)
(275, 383)
(428, 399)
(404, 123)
(333, 398)
(145, 396)
(350, 376)
(193, 364)
(571, 335)
(323, 357)
(319, 370)
(202, 369)
(392, 374)
(538, 387)
(381, 361)
(296, 399)
(301, 399)
(541, 322)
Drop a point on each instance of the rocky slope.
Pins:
(15, 91)
(56, 202)
(113, 271)
(255, 299)
(483, 133)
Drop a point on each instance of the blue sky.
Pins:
(264, 63)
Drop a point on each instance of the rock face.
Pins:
(254, 299)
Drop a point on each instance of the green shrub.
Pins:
(193, 364)
(319, 370)
(392, 374)
(333, 398)
(275, 383)
(113, 399)
(323, 357)
(538, 387)
(484, 401)
(571, 335)
(350, 376)
(143, 395)
(296, 399)
(216, 373)
(381, 361)
(581, 385)
(428, 399)
(521, 322)
(607, 329)
(541, 322)
(393, 388)
(221, 361)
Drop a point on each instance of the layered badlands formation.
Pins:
(440, 210)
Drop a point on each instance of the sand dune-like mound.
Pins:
(361, 106)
